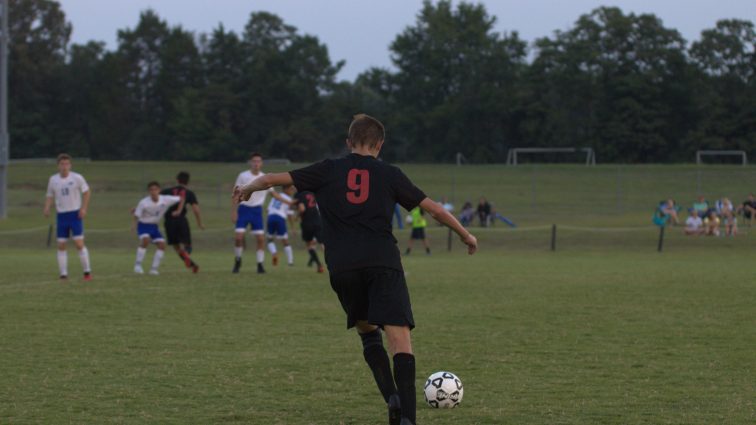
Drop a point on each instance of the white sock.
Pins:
(260, 255)
(238, 251)
(141, 252)
(157, 259)
(63, 262)
(289, 253)
(272, 247)
(84, 257)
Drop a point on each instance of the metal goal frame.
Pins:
(512, 154)
(742, 154)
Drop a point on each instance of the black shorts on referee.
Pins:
(378, 295)
(177, 231)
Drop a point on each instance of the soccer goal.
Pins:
(514, 153)
(741, 154)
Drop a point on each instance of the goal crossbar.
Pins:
(702, 153)
(512, 154)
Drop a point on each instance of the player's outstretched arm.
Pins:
(263, 183)
(438, 212)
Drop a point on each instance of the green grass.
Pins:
(603, 331)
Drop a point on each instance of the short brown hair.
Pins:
(365, 131)
(63, 156)
(255, 154)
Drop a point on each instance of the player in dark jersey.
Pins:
(309, 215)
(356, 195)
(177, 226)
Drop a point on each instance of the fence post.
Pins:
(661, 238)
(553, 237)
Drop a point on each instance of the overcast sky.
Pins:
(360, 31)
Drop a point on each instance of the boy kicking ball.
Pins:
(356, 195)
(147, 216)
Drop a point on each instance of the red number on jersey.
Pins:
(311, 200)
(358, 181)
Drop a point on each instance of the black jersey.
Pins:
(356, 195)
(311, 214)
(190, 197)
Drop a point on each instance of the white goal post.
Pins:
(512, 154)
(741, 154)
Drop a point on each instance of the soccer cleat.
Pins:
(237, 265)
(309, 263)
(195, 268)
(260, 268)
(394, 410)
(87, 277)
(63, 278)
(406, 421)
(275, 259)
(154, 272)
(321, 269)
(291, 264)
(138, 269)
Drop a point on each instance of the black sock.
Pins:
(427, 250)
(404, 375)
(314, 256)
(377, 358)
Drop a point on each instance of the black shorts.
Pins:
(310, 233)
(177, 231)
(378, 295)
(418, 233)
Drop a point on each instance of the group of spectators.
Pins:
(484, 212)
(705, 218)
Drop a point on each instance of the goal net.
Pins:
(514, 154)
(740, 156)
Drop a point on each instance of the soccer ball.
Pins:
(443, 390)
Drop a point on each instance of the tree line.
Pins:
(623, 84)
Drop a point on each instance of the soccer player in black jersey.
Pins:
(356, 195)
(177, 226)
(309, 214)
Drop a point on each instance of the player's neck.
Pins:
(155, 198)
(255, 173)
(365, 151)
(64, 174)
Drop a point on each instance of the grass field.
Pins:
(603, 331)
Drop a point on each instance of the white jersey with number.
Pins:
(67, 191)
(258, 198)
(150, 212)
(279, 208)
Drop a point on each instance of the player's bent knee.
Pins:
(364, 327)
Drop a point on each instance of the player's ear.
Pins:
(379, 145)
(348, 145)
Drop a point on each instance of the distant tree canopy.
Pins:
(623, 84)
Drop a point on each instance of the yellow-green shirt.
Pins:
(418, 221)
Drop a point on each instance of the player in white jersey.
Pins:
(147, 216)
(250, 213)
(71, 195)
(278, 212)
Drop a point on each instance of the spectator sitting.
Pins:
(701, 207)
(665, 211)
(748, 209)
(670, 209)
(711, 223)
(467, 214)
(727, 212)
(694, 224)
(484, 212)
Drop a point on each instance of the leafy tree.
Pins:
(39, 35)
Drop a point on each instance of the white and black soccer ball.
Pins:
(443, 390)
